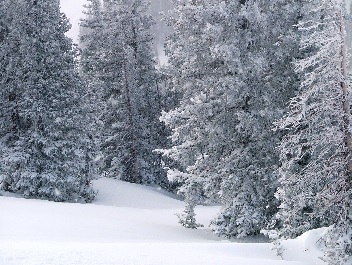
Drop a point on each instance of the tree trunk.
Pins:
(344, 87)
(134, 152)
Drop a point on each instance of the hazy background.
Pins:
(74, 8)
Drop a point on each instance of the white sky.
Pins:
(73, 9)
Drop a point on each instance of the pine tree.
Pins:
(50, 155)
(10, 83)
(228, 75)
(262, 51)
(91, 40)
(8, 54)
(192, 72)
(91, 47)
(316, 166)
(125, 71)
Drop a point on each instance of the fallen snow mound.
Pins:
(307, 245)
(122, 194)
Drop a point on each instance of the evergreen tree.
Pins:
(192, 72)
(91, 67)
(316, 163)
(263, 47)
(247, 168)
(229, 76)
(49, 155)
(125, 70)
(9, 75)
(91, 40)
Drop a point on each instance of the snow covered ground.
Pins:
(128, 225)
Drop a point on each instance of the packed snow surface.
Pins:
(129, 224)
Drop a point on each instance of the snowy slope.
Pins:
(127, 225)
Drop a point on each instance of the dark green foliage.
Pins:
(45, 150)
(117, 60)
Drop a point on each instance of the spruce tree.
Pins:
(316, 154)
(129, 95)
(91, 41)
(50, 157)
(91, 51)
(11, 76)
(224, 63)
(192, 71)
(261, 49)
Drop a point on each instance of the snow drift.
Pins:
(128, 224)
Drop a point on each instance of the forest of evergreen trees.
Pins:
(251, 111)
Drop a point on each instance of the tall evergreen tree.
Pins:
(316, 154)
(247, 170)
(91, 40)
(49, 157)
(223, 62)
(10, 79)
(129, 94)
(192, 72)
(91, 52)
(263, 47)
